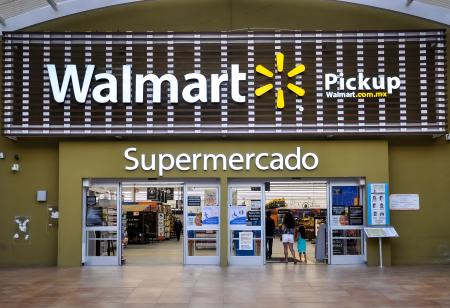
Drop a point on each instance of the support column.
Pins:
(223, 221)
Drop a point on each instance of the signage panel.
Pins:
(224, 83)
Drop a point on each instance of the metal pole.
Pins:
(381, 251)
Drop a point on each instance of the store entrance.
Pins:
(306, 201)
(152, 223)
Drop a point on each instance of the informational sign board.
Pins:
(254, 218)
(404, 202)
(387, 231)
(145, 83)
(245, 240)
(356, 215)
(194, 201)
(378, 209)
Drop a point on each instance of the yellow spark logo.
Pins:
(292, 73)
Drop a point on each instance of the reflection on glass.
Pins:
(101, 206)
(245, 243)
(202, 243)
(101, 243)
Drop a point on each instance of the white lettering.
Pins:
(199, 84)
(236, 158)
(236, 77)
(98, 94)
(70, 74)
(131, 158)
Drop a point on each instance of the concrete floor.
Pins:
(274, 285)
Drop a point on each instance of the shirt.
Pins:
(270, 226)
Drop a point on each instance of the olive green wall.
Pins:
(424, 169)
(408, 172)
(80, 160)
(38, 171)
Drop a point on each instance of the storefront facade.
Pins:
(57, 154)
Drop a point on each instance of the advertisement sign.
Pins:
(246, 240)
(67, 96)
(237, 214)
(345, 195)
(255, 204)
(210, 215)
(339, 215)
(403, 202)
(211, 197)
(151, 193)
(378, 213)
(161, 226)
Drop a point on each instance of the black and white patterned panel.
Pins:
(419, 106)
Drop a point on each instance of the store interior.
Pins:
(307, 201)
(152, 214)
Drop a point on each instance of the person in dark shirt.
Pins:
(270, 228)
(178, 227)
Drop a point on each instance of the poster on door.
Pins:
(237, 215)
(245, 240)
(378, 204)
(210, 215)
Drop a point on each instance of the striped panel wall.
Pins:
(419, 106)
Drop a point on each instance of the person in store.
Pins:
(287, 237)
(270, 228)
(300, 238)
(178, 226)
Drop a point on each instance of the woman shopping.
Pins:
(287, 236)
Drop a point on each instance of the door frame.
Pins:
(346, 259)
(102, 260)
(247, 260)
(200, 260)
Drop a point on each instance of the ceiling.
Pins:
(18, 14)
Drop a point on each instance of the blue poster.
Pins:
(237, 214)
(210, 215)
(345, 195)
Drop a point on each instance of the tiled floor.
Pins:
(275, 285)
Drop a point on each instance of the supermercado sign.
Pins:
(163, 162)
(245, 83)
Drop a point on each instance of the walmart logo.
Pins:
(280, 93)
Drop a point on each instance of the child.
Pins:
(301, 242)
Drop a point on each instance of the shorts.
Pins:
(287, 238)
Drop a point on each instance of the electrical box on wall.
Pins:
(41, 195)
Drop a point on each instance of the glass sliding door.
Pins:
(246, 224)
(346, 217)
(202, 223)
(101, 238)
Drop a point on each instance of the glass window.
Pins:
(202, 243)
(101, 206)
(101, 243)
